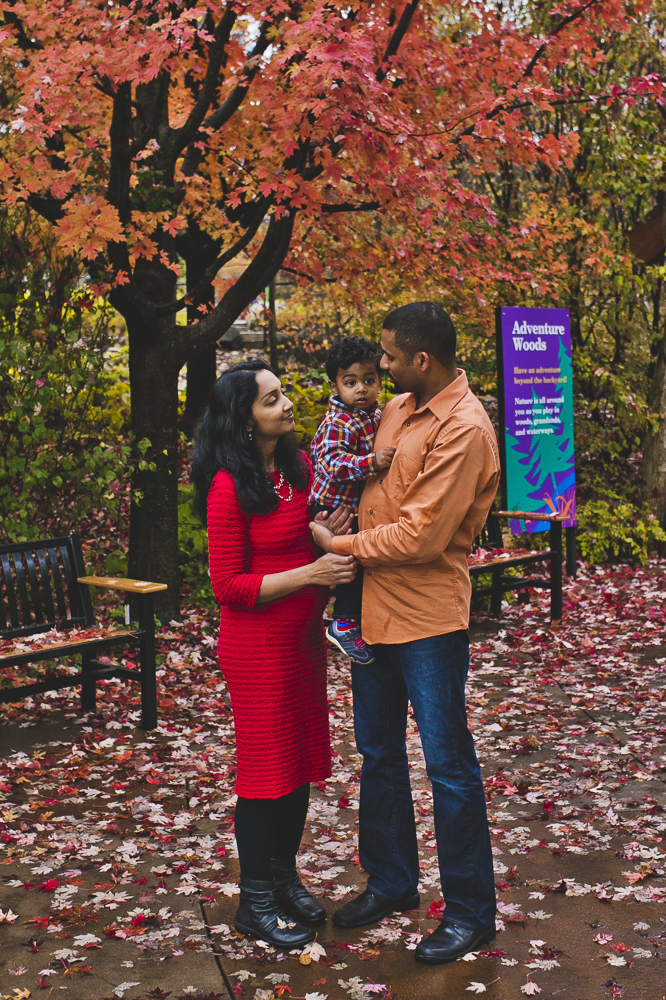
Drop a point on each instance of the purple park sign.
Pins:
(536, 413)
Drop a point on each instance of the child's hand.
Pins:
(384, 457)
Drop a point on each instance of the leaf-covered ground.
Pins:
(119, 875)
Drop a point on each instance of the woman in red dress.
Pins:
(252, 485)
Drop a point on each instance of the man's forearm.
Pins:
(342, 545)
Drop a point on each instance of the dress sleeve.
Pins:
(227, 529)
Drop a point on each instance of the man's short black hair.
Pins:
(423, 326)
(348, 351)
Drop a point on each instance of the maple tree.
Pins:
(156, 136)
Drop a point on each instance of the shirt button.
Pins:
(381, 480)
(370, 512)
(368, 572)
(408, 424)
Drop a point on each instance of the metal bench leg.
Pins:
(88, 687)
(570, 535)
(556, 570)
(147, 661)
(496, 593)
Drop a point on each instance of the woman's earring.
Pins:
(249, 434)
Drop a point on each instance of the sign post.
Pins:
(536, 417)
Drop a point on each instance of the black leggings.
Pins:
(269, 828)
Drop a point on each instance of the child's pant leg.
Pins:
(348, 596)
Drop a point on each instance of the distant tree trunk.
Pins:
(272, 326)
(201, 367)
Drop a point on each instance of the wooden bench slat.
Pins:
(55, 649)
(123, 583)
(517, 561)
(525, 515)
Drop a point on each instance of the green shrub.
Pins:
(193, 550)
(611, 529)
(64, 408)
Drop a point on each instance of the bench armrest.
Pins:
(522, 515)
(122, 583)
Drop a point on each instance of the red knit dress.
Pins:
(273, 656)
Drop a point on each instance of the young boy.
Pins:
(343, 458)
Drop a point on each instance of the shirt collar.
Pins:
(445, 401)
(355, 411)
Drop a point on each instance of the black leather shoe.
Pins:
(370, 907)
(292, 896)
(450, 941)
(260, 916)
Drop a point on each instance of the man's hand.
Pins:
(338, 521)
(322, 535)
(384, 457)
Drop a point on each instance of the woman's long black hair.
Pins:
(222, 442)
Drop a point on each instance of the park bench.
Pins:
(491, 538)
(45, 597)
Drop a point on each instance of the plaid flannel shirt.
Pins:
(343, 454)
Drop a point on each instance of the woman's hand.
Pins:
(331, 570)
(338, 521)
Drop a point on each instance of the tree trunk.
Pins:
(153, 551)
(201, 375)
(199, 253)
(153, 368)
(272, 327)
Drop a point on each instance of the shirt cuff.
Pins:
(342, 545)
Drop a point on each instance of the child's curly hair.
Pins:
(348, 351)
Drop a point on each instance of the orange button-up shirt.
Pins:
(418, 518)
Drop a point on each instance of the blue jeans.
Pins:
(430, 673)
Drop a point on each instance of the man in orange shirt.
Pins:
(418, 520)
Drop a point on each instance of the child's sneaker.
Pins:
(347, 637)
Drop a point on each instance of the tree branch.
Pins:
(224, 258)
(120, 160)
(348, 206)
(397, 36)
(259, 273)
(221, 115)
(186, 133)
(554, 33)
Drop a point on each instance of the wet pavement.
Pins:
(119, 875)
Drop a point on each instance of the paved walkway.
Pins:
(119, 876)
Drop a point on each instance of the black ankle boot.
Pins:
(292, 896)
(260, 916)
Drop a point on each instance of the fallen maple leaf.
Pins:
(476, 988)
(530, 988)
